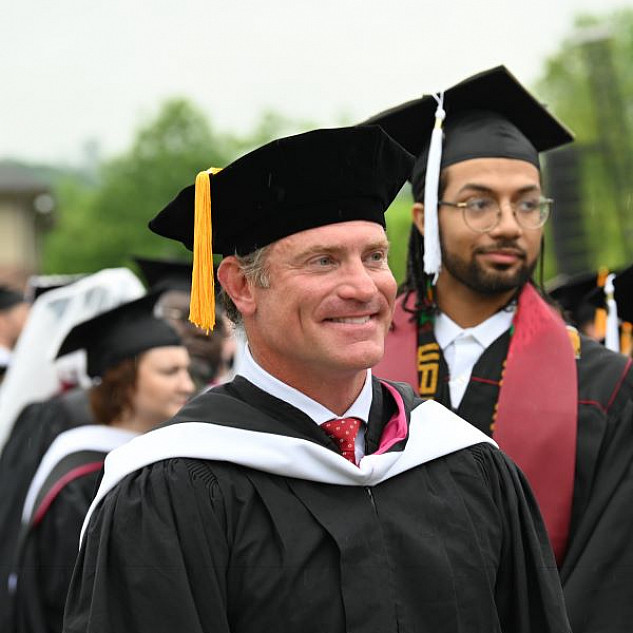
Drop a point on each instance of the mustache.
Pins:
(502, 245)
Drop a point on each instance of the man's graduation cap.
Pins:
(488, 115)
(118, 334)
(287, 186)
(9, 298)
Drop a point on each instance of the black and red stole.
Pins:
(535, 415)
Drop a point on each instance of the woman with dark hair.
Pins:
(141, 371)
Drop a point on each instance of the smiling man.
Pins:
(473, 331)
(306, 495)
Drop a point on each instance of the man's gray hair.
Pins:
(255, 269)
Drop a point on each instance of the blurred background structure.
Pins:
(589, 84)
(26, 212)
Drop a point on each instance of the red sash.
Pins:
(536, 422)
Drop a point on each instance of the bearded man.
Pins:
(473, 331)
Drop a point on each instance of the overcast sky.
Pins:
(74, 70)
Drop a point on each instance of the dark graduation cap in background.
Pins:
(287, 186)
(118, 334)
(9, 297)
(571, 292)
(622, 293)
(165, 274)
(488, 115)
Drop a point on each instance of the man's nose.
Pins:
(508, 224)
(357, 282)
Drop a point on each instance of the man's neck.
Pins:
(465, 306)
(336, 393)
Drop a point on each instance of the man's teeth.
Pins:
(352, 320)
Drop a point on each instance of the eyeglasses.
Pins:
(482, 214)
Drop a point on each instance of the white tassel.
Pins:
(612, 338)
(432, 250)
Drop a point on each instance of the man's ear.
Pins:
(235, 284)
(417, 215)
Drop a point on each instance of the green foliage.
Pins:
(398, 226)
(103, 227)
(67, 248)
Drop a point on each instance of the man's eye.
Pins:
(528, 205)
(377, 257)
(480, 205)
(324, 260)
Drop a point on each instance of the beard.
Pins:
(498, 280)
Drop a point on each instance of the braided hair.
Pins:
(416, 280)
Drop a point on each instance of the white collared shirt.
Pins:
(5, 356)
(256, 374)
(462, 347)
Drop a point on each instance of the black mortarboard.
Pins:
(571, 292)
(9, 297)
(118, 334)
(622, 293)
(287, 186)
(165, 274)
(488, 115)
(293, 184)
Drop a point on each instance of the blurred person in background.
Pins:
(141, 374)
(38, 402)
(211, 353)
(14, 311)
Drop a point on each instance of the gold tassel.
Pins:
(626, 338)
(202, 303)
(600, 320)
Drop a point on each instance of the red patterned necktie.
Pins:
(343, 431)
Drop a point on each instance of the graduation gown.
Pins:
(56, 503)
(597, 569)
(33, 432)
(181, 544)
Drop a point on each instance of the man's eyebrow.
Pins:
(318, 249)
(483, 189)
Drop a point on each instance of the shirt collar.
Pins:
(5, 356)
(488, 331)
(256, 374)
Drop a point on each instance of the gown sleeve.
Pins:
(158, 536)
(528, 593)
(597, 571)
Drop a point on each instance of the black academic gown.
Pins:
(597, 570)
(33, 432)
(452, 545)
(47, 557)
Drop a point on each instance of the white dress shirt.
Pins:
(256, 374)
(462, 347)
(5, 356)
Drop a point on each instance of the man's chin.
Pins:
(495, 281)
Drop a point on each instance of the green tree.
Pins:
(105, 226)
